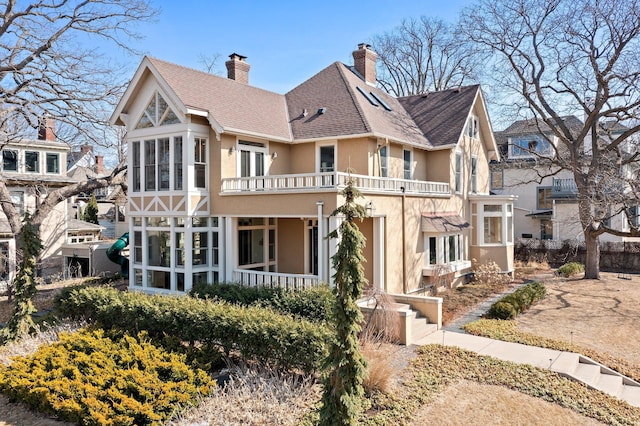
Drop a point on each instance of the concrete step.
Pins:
(566, 363)
(421, 328)
(609, 383)
(587, 373)
(631, 394)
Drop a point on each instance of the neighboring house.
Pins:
(547, 204)
(32, 168)
(229, 182)
(84, 252)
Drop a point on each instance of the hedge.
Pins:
(314, 304)
(519, 301)
(90, 378)
(257, 333)
(570, 269)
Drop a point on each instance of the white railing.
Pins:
(564, 186)
(332, 180)
(274, 279)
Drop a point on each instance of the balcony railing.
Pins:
(564, 188)
(332, 181)
(275, 279)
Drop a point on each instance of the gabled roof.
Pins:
(533, 126)
(80, 225)
(442, 115)
(235, 106)
(350, 107)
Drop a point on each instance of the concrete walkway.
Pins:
(568, 364)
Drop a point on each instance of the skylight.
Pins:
(367, 95)
(383, 103)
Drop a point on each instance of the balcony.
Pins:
(564, 188)
(331, 181)
(274, 279)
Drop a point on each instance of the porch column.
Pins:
(334, 223)
(322, 255)
(229, 248)
(378, 253)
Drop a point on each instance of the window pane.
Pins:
(200, 245)
(458, 171)
(180, 281)
(177, 163)
(251, 246)
(180, 245)
(137, 247)
(137, 277)
(10, 161)
(17, 198)
(136, 165)
(384, 161)
(53, 163)
(163, 163)
(407, 164)
(159, 279)
(201, 278)
(433, 254)
(216, 250)
(159, 248)
(32, 161)
(452, 248)
(493, 230)
(493, 208)
(150, 165)
(327, 158)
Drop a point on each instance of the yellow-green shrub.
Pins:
(257, 333)
(570, 269)
(89, 378)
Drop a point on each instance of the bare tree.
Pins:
(553, 58)
(422, 55)
(51, 65)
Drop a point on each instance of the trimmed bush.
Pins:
(257, 333)
(519, 301)
(570, 269)
(313, 304)
(89, 378)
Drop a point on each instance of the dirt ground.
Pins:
(602, 315)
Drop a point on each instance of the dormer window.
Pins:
(529, 146)
(9, 160)
(157, 113)
(32, 162)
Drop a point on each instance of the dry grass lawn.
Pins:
(469, 403)
(602, 315)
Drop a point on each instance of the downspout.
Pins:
(405, 290)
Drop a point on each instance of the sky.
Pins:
(285, 42)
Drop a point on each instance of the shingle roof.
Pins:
(436, 119)
(441, 115)
(81, 225)
(348, 111)
(533, 126)
(234, 105)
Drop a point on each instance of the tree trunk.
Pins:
(592, 260)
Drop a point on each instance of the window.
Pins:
(157, 113)
(150, 165)
(497, 179)
(159, 248)
(544, 198)
(53, 163)
(137, 247)
(9, 160)
(251, 163)
(444, 249)
(473, 127)
(493, 224)
(256, 244)
(384, 161)
(32, 162)
(17, 198)
(529, 146)
(200, 163)
(546, 229)
(458, 171)
(159, 279)
(408, 164)
(496, 224)
(633, 216)
(177, 163)
(474, 174)
(433, 253)
(163, 164)
(180, 245)
(327, 158)
(199, 246)
(4, 261)
(136, 165)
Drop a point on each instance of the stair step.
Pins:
(609, 384)
(566, 363)
(421, 328)
(631, 394)
(587, 373)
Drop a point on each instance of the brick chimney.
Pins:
(364, 61)
(47, 128)
(100, 164)
(238, 68)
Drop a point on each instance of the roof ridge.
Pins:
(208, 75)
(459, 88)
(343, 76)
